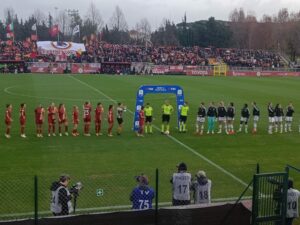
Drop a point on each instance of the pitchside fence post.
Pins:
(156, 196)
(257, 168)
(269, 198)
(35, 200)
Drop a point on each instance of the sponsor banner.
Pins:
(45, 67)
(176, 69)
(56, 48)
(198, 73)
(160, 69)
(263, 73)
(242, 73)
(86, 68)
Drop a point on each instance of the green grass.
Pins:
(111, 163)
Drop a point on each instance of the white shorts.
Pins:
(222, 119)
(256, 118)
(271, 119)
(244, 119)
(278, 119)
(289, 119)
(230, 119)
(200, 119)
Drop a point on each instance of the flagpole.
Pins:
(36, 32)
(79, 34)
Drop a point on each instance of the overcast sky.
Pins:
(154, 10)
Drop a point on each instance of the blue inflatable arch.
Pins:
(154, 89)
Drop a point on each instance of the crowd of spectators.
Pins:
(163, 55)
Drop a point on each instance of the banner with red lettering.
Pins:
(46, 67)
(160, 69)
(86, 68)
(263, 73)
(198, 72)
(176, 69)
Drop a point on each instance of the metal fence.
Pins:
(29, 197)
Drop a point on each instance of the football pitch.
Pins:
(107, 165)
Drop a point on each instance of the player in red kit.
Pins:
(87, 109)
(52, 110)
(8, 120)
(39, 120)
(62, 119)
(141, 122)
(110, 119)
(98, 118)
(22, 119)
(75, 120)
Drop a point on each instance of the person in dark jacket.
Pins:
(61, 197)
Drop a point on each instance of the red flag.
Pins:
(33, 55)
(34, 37)
(9, 42)
(54, 31)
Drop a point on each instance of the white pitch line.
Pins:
(93, 88)
(174, 139)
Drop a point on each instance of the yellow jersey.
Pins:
(184, 110)
(167, 109)
(148, 111)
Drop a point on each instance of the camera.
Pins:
(74, 190)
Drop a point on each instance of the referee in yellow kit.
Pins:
(167, 110)
(148, 113)
(183, 117)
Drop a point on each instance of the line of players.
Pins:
(223, 115)
(60, 113)
(225, 118)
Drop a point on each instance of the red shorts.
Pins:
(97, 121)
(51, 121)
(141, 123)
(39, 122)
(87, 119)
(62, 121)
(76, 122)
(22, 122)
(8, 122)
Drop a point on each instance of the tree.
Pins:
(9, 14)
(94, 17)
(144, 31)
(237, 15)
(283, 15)
(63, 22)
(39, 16)
(118, 21)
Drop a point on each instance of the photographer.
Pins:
(202, 188)
(61, 197)
(181, 185)
(292, 203)
(142, 195)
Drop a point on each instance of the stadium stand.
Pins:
(162, 55)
